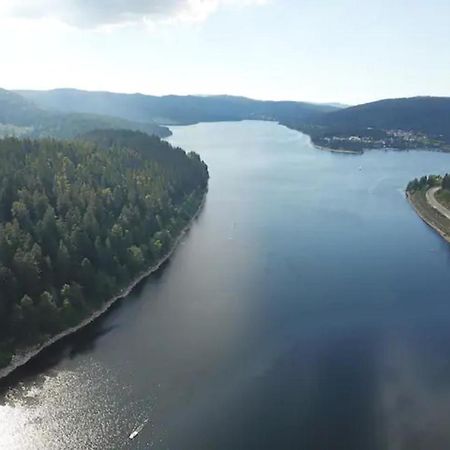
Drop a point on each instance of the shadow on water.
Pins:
(85, 339)
(69, 347)
(300, 333)
(321, 394)
(80, 342)
(344, 392)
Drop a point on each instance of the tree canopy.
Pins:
(79, 220)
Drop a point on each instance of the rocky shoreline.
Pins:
(20, 359)
(426, 216)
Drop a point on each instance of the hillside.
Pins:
(430, 115)
(173, 109)
(22, 117)
(419, 122)
(80, 220)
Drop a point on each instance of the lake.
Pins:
(307, 308)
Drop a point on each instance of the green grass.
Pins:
(443, 197)
(429, 214)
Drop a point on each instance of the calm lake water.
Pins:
(307, 308)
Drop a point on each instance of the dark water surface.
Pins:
(307, 308)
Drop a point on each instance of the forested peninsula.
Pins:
(80, 221)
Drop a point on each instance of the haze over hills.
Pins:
(173, 109)
(418, 122)
(22, 117)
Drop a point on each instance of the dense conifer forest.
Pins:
(79, 220)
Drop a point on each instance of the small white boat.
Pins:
(137, 430)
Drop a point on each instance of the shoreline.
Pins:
(336, 150)
(319, 147)
(21, 359)
(428, 221)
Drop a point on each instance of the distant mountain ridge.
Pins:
(173, 109)
(417, 122)
(22, 117)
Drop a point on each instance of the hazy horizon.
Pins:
(194, 94)
(331, 102)
(320, 52)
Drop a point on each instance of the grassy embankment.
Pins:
(428, 214)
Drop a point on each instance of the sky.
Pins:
(346, 51)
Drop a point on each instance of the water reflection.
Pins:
(415, 389)
(307, 308)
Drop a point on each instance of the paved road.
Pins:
(431, 199)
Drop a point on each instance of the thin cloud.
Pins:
(98, 13)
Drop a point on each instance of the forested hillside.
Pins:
(430, 115)
(79, 220)
(419, 122)
(174, 109)
(21, 117)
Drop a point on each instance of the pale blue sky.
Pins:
(314, 50)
